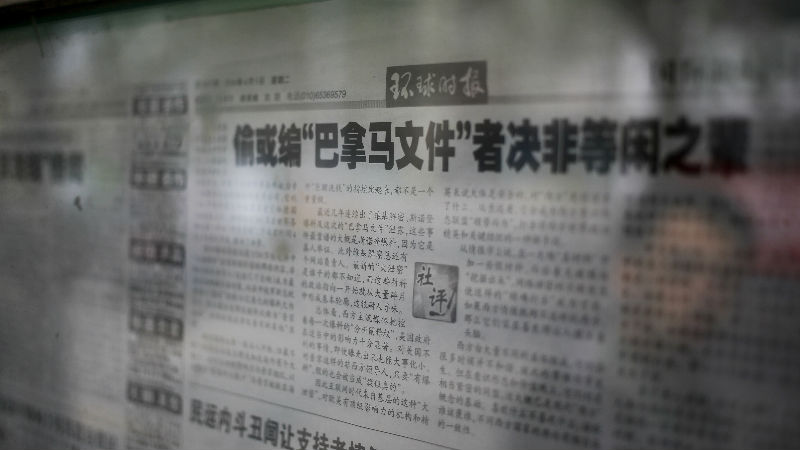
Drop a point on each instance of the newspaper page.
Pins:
(390, 225)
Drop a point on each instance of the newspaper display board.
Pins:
(387, 225)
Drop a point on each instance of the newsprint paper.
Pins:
(394, 225)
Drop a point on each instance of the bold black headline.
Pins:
(265, 430)
(559, 146)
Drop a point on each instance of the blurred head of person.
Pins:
(686, 266)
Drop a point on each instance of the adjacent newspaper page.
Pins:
(393, 225)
